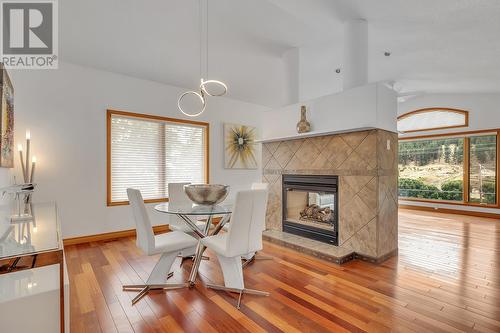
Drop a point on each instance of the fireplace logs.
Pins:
(316, 213)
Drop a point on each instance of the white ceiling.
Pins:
(436, 45)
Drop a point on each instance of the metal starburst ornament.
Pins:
(240, 147)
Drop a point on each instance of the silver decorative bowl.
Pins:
(206, 194)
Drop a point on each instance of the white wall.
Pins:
(484, 113)
(355, 61)
(311, 70)
(484, 109)
(291, 59)
(368, 106)
(65, 110)
(317, 65)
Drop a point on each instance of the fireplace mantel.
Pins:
(313, 134)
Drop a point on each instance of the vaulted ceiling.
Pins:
(436, 46)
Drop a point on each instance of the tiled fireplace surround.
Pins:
(367, 170)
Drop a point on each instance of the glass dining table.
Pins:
(190, 215)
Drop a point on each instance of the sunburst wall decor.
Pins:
(239, 147)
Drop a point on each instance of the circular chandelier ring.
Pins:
(199, 95)
(220, 83)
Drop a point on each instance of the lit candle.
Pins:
(28, 139)
(20, 148)
(33, 162)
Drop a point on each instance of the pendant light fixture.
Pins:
(207, 87)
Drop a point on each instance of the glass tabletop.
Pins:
(32, 236)
(195, 209)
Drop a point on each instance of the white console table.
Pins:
(32, 271)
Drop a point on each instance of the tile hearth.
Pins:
(312, 247)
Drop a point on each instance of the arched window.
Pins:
(432, 119)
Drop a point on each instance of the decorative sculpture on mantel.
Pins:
(303, 126)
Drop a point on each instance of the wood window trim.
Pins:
(448, 202)
(466, 171)
(428, 110)
(110, 113)
(451, 211)
(465, 135)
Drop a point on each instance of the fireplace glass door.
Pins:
(310, 206)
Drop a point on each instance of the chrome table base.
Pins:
(200, 249)
(183, 259)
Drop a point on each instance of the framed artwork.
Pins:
(239, 147)
(6, 120)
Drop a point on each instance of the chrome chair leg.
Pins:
(255, 257)
(140, 295)
(239, 299)
(238, 291)
(144, 289)
(156, 278)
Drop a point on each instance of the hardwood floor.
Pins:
(445, 279)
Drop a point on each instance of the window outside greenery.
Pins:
(433, 169)
(482, 179)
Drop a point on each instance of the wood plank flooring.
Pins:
(445, 279)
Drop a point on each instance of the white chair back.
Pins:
(145, 238)
(260, 186)
(247, 222)
(177, 198)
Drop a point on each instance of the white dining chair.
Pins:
(251, 257)
(255, 186)
(244, 236)
(170, 245)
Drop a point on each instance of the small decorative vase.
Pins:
(303, 126)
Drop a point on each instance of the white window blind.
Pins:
(147, 154)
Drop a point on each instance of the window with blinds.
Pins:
(148, 152)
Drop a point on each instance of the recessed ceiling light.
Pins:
(387, 53)
(337, 71)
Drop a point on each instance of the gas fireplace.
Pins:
(310, 206)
